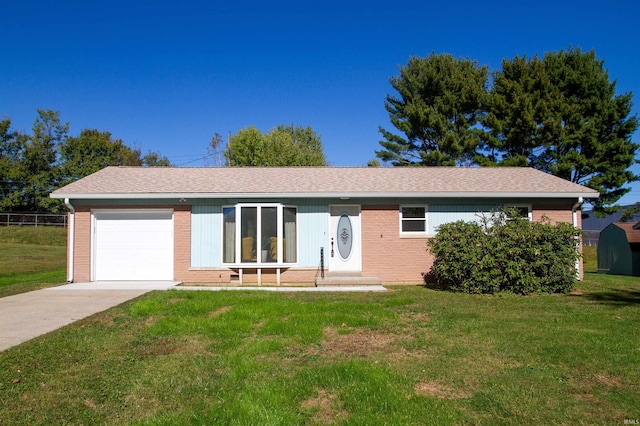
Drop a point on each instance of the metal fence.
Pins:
(590, 238)
(33, 219)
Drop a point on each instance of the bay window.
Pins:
(259, 234)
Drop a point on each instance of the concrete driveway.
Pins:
(28, 315)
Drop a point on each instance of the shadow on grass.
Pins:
(614, 297)
(429, 281)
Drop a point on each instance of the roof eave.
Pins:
(309, 195)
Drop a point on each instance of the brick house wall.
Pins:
(82, 246)
(554, 213)
(385, 254)
(397, 259)
(559, 214)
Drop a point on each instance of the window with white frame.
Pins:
(259, 234)
(413, 220)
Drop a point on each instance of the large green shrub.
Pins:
(504, 253)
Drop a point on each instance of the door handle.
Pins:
(331, 246)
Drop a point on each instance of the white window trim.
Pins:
(280, 234)
(414, 234)
(521, 205)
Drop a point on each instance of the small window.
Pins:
(522, 211)
(413, 220)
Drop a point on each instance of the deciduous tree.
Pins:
(38, 168)
(12, 145)
(31, 166)
(283, 146)
(93, 150)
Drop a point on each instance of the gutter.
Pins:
(574, 211)
(71, 240)
(279, 195)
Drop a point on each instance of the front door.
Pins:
(345, 254)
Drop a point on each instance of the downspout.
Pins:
(574, 211)
(71, 243)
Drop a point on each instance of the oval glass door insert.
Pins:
(345, 236)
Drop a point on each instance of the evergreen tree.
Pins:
(561, 115)
(440, 99)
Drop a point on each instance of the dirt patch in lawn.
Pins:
(359, 343)
(439, 390)
(587, 391)
(609, 381)
(327, 408)
(219, 311)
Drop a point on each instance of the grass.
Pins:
(31, 258)
(42, 235)
(408, 356)
(590, 258)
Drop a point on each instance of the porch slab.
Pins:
(336, 288)
(331, 280)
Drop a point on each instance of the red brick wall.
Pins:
(559, 214)
(555, 214)
(82, 246)
(403, 260)
(387, 256)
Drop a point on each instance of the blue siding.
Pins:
(206, 235)
(206, 238)
(313, 233)
(440, 214)
(313, 229)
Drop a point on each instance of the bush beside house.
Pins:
(503, 252)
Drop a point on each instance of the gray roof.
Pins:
(310, 182)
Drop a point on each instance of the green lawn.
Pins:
(590, 258)
(407, 356)
(31, 258)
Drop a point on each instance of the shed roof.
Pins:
(633, 235)
(309, 182)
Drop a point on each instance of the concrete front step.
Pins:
(347, 280)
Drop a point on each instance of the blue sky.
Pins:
(165, 75)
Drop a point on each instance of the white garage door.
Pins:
(133, 245)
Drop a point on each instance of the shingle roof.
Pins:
(155, 182)
(633, 235)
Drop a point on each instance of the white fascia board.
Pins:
(240, 195)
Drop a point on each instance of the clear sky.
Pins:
(167, 75)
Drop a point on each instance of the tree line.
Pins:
(558, 113)
(32, 165)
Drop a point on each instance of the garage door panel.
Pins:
(133, 245)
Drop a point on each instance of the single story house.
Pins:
(619, 249)
(287, 225)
